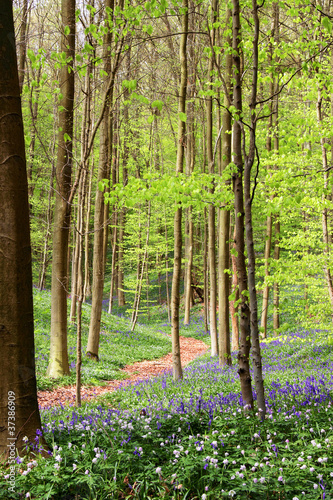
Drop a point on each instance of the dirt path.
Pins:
(190, 349)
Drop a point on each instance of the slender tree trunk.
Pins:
(244, 340)
(167, 272)
(100, 225)
(224, 221)
(205, 272)
(190, 156)
(58, 361)
(23, 43)
(272, 129)
(140, 280)
(211, 208)
(235, 292)
(45, 258)
(19, 413)
(248, 194)
(323, 142)
(175, 299)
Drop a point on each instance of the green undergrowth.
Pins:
(118, 346)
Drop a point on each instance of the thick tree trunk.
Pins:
(58, 361)
(19, 414)
(176, 359)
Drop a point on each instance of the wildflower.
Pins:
(74, 467)
(27, 495)
(262, 479)
(203, 496)
(280, 478)
(87, 472)
(158, 470)
(315, 486)
(255, 480)
(57, 466)
(25, 439)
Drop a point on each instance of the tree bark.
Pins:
(211, 208)
(175, 299)
(58, 360)
(244, 340)
(100, 225)
(19, 413)
(224, 220)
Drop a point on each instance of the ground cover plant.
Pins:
(191, 439)
(118, 346)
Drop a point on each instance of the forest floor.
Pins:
(190, 349)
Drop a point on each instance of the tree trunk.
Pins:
(211, 208)
(323, 142)
(235, 291)
(249, 161)
(175, 299)
(224, 221)
(23, 43)
(244, 340)
(58, 361)
(100, 225)
(19, 413)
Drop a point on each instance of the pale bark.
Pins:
(211, 208)
(140, 280)
(100, 225)
(175, 299)
(190, 157)
(325, 228)
(224, 221)
(58, 360)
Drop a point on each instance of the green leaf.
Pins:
(326, 22)
(182, 117)
(67, 30)
(157, 104)
(67, 138)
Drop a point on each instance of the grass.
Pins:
(118, 346)
(190, 439)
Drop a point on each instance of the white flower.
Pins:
(70, 445)
(158, 470)
(25, 439)
(74, 466)
(58, 458)
(315, 486)
(57, 466)
(27, 495)
(203, 496)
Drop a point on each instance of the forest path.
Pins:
(190, 349)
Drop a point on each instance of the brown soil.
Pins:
(190, 349)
